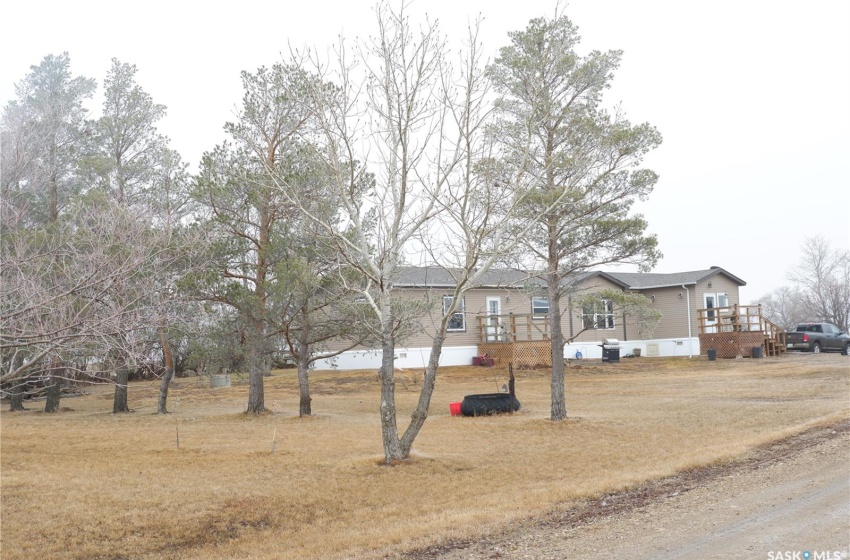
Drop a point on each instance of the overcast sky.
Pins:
(752, 97)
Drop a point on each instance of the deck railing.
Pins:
(737, 327)
(523, 327)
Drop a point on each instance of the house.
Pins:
(505, 315)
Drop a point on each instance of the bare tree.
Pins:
(823, 280)
(387, 162)
(785, 307)
(170, 204)
(402, 135)
(65, 296)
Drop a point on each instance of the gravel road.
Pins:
(780, 502)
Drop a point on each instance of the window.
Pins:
(539, 307)
(458, 320)
(598, 316)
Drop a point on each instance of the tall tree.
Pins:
(43, 131)
(129, 149)
(248, 215)
(550, 118)
(131, 164)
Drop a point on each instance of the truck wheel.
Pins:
(816, 348)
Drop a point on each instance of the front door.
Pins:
(713, 304)
(493, 320)
(710, 301)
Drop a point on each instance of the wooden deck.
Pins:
(736, 330)
(520, 339)
(524, 339)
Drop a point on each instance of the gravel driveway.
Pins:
(781, 501)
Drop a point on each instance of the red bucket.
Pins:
(454, 407)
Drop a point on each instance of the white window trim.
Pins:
(608, 317)
(535, 309)
(458, 312)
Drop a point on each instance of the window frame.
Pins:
(458, 313)
(607, 318)
(536, 309)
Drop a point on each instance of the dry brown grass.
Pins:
(85, 483)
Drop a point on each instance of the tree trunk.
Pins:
(304, 408)
(167, 375)
(54, 390)
(119, 402)
(16, 398)
(256, 396)
(389, 428)
(164, 384)
(420, 414)
(256, 372)
(303, 358)
(559, 406)
(54, 386)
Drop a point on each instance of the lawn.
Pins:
(87, 484)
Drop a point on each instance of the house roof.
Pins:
(438, 277)
(646, 280)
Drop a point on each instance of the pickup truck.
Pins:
(818, 337)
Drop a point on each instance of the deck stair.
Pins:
(737, 329)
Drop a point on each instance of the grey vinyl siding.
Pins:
(719, 284)
(674, 311)
(574, 311)
(673, 323)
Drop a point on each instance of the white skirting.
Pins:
(462, 355)
(656, 348)
(404, 358)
